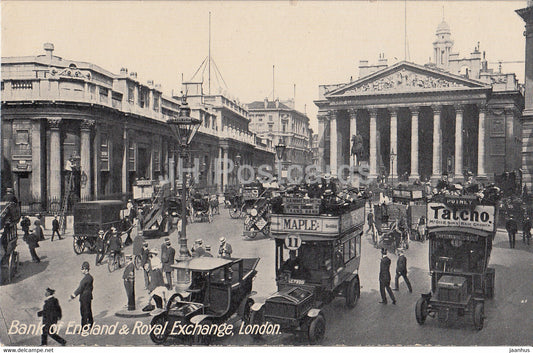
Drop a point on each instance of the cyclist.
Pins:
(115, 244)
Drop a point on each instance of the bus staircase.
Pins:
(64, 205)
(155, 214)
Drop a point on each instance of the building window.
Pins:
(157, 162)
(2, 85)
(156, 103)
(131, 95)
(270, 118)
(22, 137)
(105, 153)
(269, 127)
(132, 157)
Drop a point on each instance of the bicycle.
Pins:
(115, 261)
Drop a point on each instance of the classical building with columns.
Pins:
(453, 115)
(527, 116)
(54, 109)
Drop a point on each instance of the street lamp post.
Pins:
(184, 128)
(280, 150)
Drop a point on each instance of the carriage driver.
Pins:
(294, 265)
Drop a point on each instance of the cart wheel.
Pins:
(479, 315)
(421, 310)
(317, 329)
(78, 244)
(138, 262)
(234, 212)
(110, 263)
(256, 318)
(352, 293)
(155, 335)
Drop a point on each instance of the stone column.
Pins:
(437, 143)
(55, 160)
(458, 142)
(225, 174)
(333, 143)
(414, 143)
(218, 171)
(481, 142)
(85, 162)
(36, 160)
(373, 143)
(393, 142)
(172, 165)
(353, 132)
(321, 150)
(96, 164)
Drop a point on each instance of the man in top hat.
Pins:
(168, 253)
(100, 247)
(225, 250)
(129, 281)
(384, 278)
(85, 291)
(55, 228)
(51, 314)
(401, 271)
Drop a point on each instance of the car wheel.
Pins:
(256, 318)
(78, 244)
(352, 293)
(204, 340)
(317, 329)
(247, 312)
(421, 310)
(159, 336)
(479, 315)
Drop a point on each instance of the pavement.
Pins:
(368, 324)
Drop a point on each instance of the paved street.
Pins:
(370, 323)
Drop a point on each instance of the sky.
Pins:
(309, 42)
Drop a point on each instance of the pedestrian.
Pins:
(129, 282)
(25, 224)
(33, 242)
(156, 275)
(138, 242)
(55, 229)
(198, 249)
(38, 230)
(85, 291)
(512, 227)
(225, 250)
(10, 196)
(168, 253)
(401, 271)
(115, 244)
(100, 247)
(526, 228)
(51, 314)
(145, 262)
(384, 278)
(159, 295)
(371, 225)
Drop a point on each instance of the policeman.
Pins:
(85, 291)
(129, 282)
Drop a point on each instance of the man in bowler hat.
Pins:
(401, 271)
(168, 253)
(85, 291)
(384, 278)
(51, 314)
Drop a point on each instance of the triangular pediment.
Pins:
(405, 77)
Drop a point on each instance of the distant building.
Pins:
(452, 115)
(225, 122)
(279, 121)
(54, 109)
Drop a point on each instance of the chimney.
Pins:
(124, 71)
(49, 49)
(150, 83)
(133, 75)
(277, 103)
(158, 86)
(266, 103)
